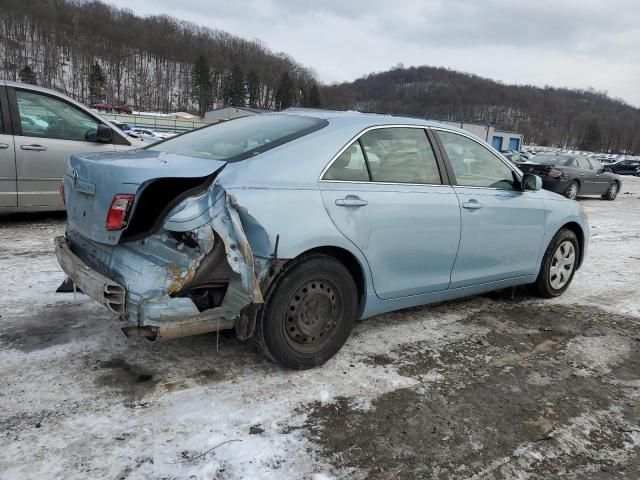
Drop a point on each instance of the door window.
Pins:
(46, 117)
(350, 166)
(400, 155)
(475, 165)
(583, 163)
(595, 165)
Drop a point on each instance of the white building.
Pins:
(228, 113)
(498, 139)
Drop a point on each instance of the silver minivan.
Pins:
(39, 129)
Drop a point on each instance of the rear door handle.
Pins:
(472, 205)
(35, 148)
(351, 201)
(4, 146)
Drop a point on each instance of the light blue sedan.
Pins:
(288, 227)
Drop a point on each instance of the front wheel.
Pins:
(309, 313)
(612, 192)
(558, 265)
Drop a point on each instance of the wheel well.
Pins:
(353, 265)
(577, 229)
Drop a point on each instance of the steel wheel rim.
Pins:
(613, 190)
(311, 315)
(562, 264)
(573, 191)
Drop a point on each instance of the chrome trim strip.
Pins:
(388, 183)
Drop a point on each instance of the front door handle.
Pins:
(351, 201)
(472, 205)
(35, 148)
(4, 146)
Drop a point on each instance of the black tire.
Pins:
(612, 192)
(309, 312)
(542, 286)
(569, 191)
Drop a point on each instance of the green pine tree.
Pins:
(311, 97)
(201, 85)
(284, 93)
(253, 88)
(27, 75)
(97, 82)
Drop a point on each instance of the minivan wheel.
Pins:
(309, 313)
(558, 265)
(572, 190)
(612, 192)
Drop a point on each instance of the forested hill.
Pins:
(93, 51)
(588, 120)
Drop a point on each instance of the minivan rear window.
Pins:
(241, 138)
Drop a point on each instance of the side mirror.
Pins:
(104, 134)
(531, 182)
(607, 169)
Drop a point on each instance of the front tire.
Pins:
(572, 190)
(558, 265)
(612, 192)
(309, 313)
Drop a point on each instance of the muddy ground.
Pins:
(501, 386)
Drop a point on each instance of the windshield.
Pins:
(552, 160)
(240, 138)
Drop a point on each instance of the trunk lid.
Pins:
(542, 170)
(92, 180)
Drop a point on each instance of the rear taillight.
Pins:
(118, 210)
(554, 172)
(62, 193)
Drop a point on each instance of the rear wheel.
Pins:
(572, 190)
(309, 313)
(612, 192)
(558, 265)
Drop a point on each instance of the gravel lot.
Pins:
(501, 386)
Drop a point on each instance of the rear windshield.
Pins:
(240, 138)
(552, 160)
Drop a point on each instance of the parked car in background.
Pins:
(150, 135)
(625, 167)
(39, 129)
(281, 227)
(574, 175)
(123, 109)
(102, 107)
(121, 125)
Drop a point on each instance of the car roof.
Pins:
(365, 120)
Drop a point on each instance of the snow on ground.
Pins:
(80, 400)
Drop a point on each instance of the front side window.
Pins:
(240, 138)
(595, 165)
(400, 155)
(350, 166)
(47, 117)
(474, 165)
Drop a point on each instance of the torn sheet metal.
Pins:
(155, 268)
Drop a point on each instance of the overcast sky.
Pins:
(572, 43)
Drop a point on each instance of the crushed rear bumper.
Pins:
(100, 288)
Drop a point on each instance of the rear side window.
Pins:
(241, 138)
(400, 155)
(350, 166)
(583, 163)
